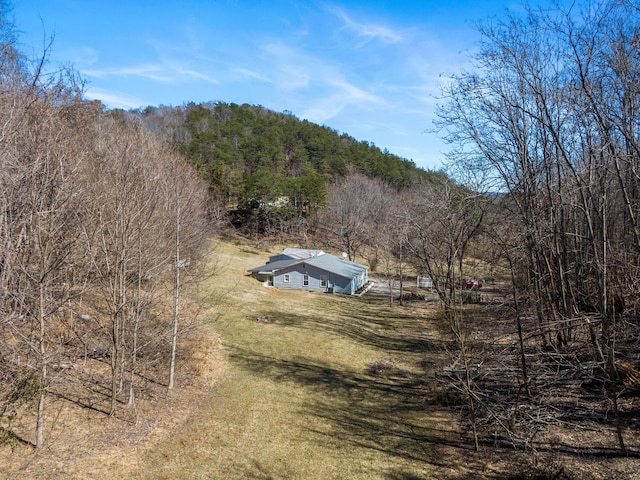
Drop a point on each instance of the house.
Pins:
(312, 270)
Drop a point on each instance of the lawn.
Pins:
(328, 387)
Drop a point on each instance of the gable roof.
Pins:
(324, 261)
(273, 266)
(339, 266)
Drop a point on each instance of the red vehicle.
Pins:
(469, 284)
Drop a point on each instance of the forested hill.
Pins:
(249, 153)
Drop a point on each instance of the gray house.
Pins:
(312, 270)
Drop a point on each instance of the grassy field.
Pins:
(330, 387)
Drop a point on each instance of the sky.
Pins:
(370, 69)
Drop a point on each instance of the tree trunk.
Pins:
(43, 369)
(176, 299)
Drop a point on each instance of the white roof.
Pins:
(301, 253)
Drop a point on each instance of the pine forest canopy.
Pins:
(249, 154)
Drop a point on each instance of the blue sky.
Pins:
(371, 69)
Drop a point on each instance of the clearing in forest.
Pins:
(315, 386)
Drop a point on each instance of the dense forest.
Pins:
(272, 170)
(100, 209)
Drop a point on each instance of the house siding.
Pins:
(296, 277)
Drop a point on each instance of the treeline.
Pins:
(271, 169)
(97, 216)
(549, 119)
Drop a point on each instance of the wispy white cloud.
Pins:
(294, 77)
(189, 74)
(352, 92)
(163, 73)
(113, 99)
(85, 56)
(292, 69)
(172, 61)
(338, 96)
(368, 31)
(322, 110)
(149, 71)
(319, 88)
(251, 74)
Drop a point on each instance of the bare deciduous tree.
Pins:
(186, 207)
(551, 113)
(443, 220)
(349, 212)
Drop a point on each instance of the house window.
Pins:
(305, 280)
(323, 280)
(286, 278)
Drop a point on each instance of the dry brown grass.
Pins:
(82, 441)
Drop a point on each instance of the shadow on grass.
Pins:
(393, 333)
(321, 376)
(258, 472)
(83, 404)
(400, 475)
(381, 413)
(384, 411)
